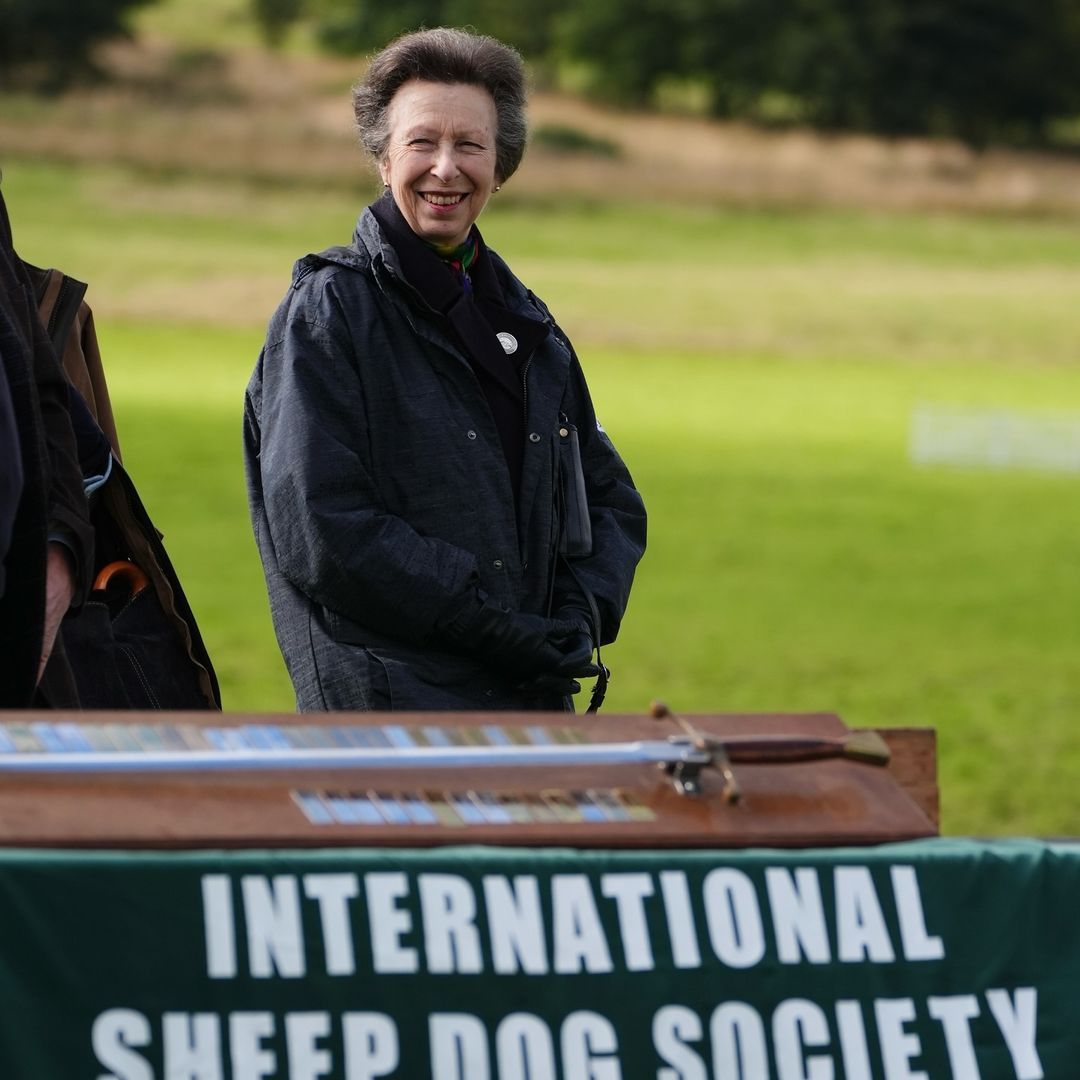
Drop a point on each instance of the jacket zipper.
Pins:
(525, 390)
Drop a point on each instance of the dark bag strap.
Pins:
(599, 690)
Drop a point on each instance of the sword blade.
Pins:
(420, 757)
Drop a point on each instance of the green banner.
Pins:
(915, 961)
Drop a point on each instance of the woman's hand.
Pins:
(59, 590)
(579, 648)
(521, 644)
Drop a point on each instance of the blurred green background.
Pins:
(759, 311)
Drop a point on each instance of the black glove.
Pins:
(550, 687)
(516, 642)
(580, 647)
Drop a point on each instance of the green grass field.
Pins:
(758, 370)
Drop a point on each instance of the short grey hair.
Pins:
(446, 55)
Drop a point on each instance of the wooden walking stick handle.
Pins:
(122, 568)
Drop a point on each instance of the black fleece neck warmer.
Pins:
(476, 317)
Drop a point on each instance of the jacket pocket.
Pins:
(341, 676)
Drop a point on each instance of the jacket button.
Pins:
(497, 564)
(533, 437)
(471, 434)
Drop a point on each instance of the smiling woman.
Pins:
(440, 163)
(442, 522)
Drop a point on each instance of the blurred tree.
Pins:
(364, 25)
(630, 45)
(529, 25)
(275, 17)
(356, 26)
(734, 48)
(975, 69)
(48, 44)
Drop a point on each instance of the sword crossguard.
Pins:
(685, 774)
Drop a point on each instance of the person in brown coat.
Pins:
(47, 564)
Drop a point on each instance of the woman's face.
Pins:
(440, 160)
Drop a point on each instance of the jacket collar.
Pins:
(478, 314)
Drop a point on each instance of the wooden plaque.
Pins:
(607, 805)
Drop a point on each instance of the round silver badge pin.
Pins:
(508, 342)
